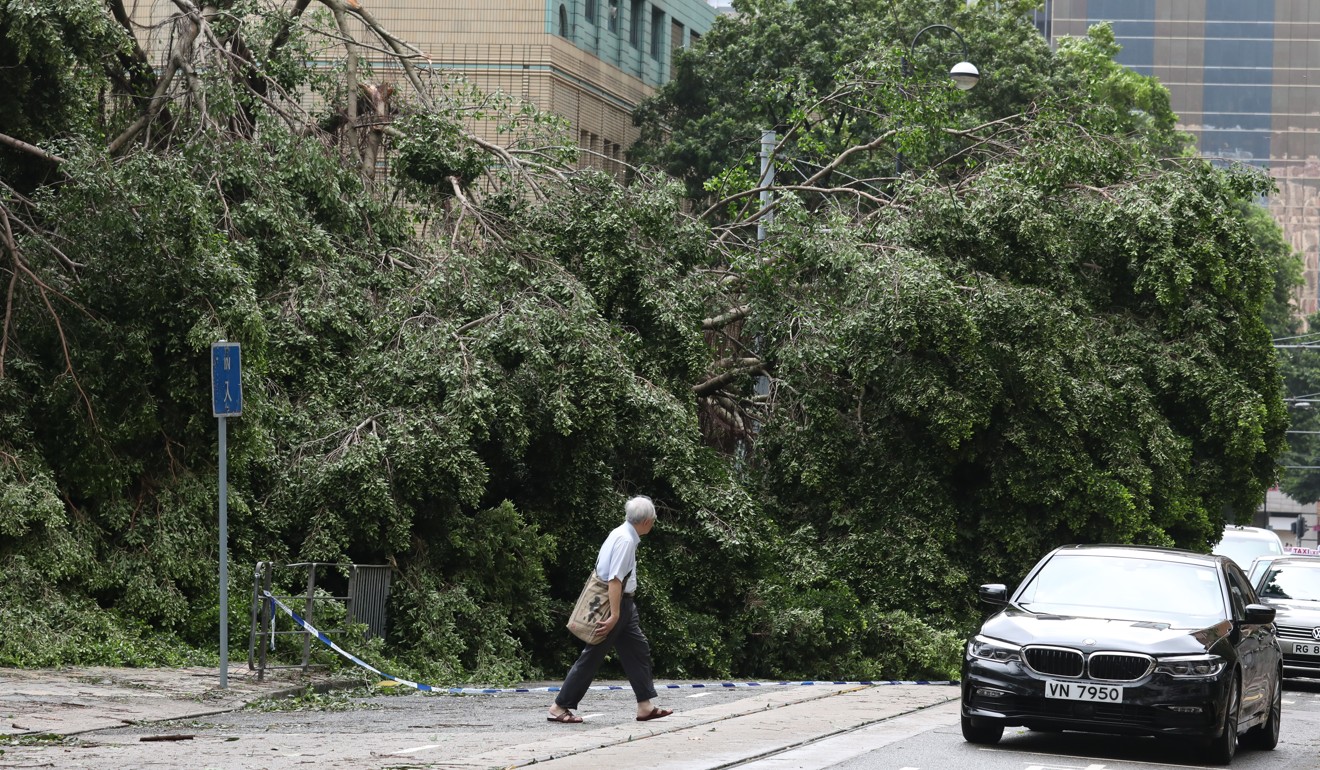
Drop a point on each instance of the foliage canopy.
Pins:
(1049, 327)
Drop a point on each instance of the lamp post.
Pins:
(965, 75)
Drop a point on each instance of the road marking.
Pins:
(415, 749)
(699, 695)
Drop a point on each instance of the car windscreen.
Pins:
(1243, 549)
(1258, 569)
(1291, 581)
(1107, 586)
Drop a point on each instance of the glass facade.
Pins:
(1236, 104)
(1133, 22)
(631, 35)
(1240, 76)
(1042, 16)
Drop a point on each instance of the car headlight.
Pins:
(985, 648)
(1191, 666)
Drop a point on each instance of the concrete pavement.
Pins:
(120, 705)
(728, 734)
(71, 701)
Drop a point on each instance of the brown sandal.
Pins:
(656, 713)
(568, 718)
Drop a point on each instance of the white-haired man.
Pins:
(617, 565)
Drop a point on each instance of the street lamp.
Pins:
(1301, 402)
(965, 74)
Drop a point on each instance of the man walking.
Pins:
(616, 565)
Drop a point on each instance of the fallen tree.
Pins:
(1047, 332)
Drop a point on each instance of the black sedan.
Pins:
(1291, 585)
(1127, 640)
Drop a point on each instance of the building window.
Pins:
(1042, 18)
(614, 15)
(591, 12)
(635, 23)
(675, 41)
(613, 160)
(657, 32)
(563, 21)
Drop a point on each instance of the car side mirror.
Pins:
(997, 593)
(1259, 615)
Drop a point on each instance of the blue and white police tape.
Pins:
(309, 628)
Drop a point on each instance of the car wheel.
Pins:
(1266, 736)
(1220, 750)
(981, 731)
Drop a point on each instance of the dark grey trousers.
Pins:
(634, 655)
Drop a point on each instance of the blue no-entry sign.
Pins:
(226, 383)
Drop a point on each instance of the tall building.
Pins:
(589, 61)
(1243, 77)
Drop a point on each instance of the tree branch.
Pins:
(726, 318)
(179, 55)
(31, 149)
(750, 366)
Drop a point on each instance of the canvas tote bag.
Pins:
(593, 606)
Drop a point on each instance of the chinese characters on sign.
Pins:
(226, 384)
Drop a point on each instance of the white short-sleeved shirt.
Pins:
(618, 557)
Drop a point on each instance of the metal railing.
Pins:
(363, 603)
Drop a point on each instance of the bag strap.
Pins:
(625, 577)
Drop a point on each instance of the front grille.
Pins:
(1074, 664)
(1296, 633)
(1119, 666)
(1054, 661)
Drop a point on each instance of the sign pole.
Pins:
(226, 401)
(224, 560)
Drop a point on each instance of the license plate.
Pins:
(1306, 648)
(1085, 691)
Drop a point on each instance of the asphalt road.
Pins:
(932, 740)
